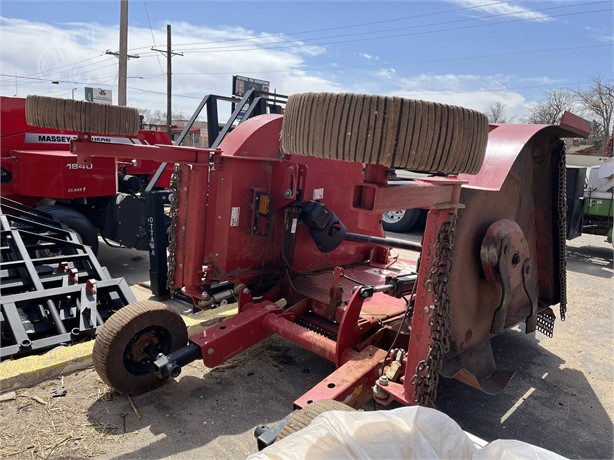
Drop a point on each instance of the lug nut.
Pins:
(383, 381)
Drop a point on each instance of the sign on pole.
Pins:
(99, 95)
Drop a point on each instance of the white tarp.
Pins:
(405, 433)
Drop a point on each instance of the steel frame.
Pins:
(53, 289)
(322, 317)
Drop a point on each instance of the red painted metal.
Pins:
(221, 342)
(232, 203)
(351, 383)
(505, 142)
(41, 166)
(349, 334)
(307, 339)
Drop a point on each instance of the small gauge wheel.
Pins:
(129, 342)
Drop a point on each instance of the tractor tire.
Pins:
(118, 354)
(387, 131)
(76, 222)
(401, 220)
(306, 415)
(81, 116)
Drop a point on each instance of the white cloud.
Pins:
(74, 55)
(476, 92)
(369, 56)
(512, 10)
(602, 33)
(389, 73)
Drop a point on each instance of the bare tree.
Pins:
(558, 101)
(599, 100)
(496, 113)
(158, 117)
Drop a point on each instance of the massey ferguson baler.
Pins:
(285, 217)
(103, 197)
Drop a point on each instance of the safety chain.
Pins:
(172, 230)
(426, 377)
(562, 211)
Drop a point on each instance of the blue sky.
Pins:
(464, 52)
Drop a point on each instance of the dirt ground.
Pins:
(561, 397)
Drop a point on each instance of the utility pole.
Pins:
(123, 53)
(169, 75)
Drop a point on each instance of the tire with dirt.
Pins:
(127, 341)
(388, 131)
(401, 220)
(81, 116)
(76, 222)
(306, 415)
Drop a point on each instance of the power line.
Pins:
(396, 64)
(152, 37)
(362, 24)
(51, 72)
(72, 64)
(407, 27)
(393, 64)
(423, 92)
(299, 45)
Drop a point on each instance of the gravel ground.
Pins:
(561, 397)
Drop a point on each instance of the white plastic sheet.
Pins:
(405, 433)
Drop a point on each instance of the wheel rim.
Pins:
(140, 353)
(392, 217)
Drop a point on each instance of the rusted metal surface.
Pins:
(351, 382)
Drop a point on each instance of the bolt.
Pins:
(210, 351)
(245, 291)
(205, 295)
(383, 381)
(221, 178)
(426, 309)
(288, 193)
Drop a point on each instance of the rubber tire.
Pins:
(409, 220)
(306, 415)
(76, 222)
(117, 332)
(81, 116)
(388, 131)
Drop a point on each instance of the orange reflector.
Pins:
(264, 204)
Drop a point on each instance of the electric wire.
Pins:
(302, 45)
(397, 64)
(152, 37)
(73, 68)
(436, 13)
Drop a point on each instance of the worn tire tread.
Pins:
(117, 331)
(387, 131)
(81, 116)
(306, 415)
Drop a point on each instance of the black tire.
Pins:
(76, 222)
(388, 131)
(401, 220)
(306, 415)
(81, 116)
(118, 353)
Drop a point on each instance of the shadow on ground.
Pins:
(558, 411)
(591, 260)
(199, 409)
